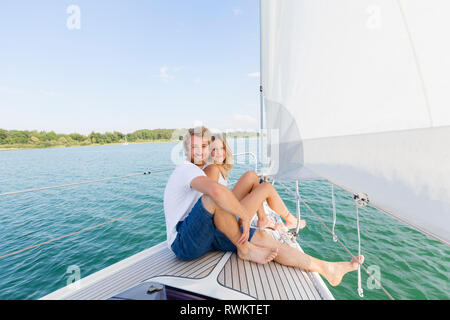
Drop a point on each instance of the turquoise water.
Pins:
(411, 266)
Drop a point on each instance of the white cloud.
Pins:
(164, 74)
(254, 75)
(237, 11)
(167, 74)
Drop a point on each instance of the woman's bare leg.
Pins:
(245, 185)
(266, 191)
(288, 256)
(248, 182)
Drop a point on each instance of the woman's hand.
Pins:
(245, 224)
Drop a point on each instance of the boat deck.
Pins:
(217, 274)
(271, 281)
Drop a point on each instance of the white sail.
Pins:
(358, 92)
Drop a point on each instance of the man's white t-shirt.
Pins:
(180, 197)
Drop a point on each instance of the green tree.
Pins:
(3, 136)
(51, 136)
(77, 137)
(17, 137)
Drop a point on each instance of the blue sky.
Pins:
(132, 65)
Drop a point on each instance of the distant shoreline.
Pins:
(25, 139)
(30, 146)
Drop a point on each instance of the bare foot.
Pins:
(257, 254)
(291, 222)
(336, 270)
(266, 223)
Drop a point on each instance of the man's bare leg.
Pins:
(228, 225)
(288, 256)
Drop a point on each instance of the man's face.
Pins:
(199, 150)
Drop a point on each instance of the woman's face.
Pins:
(217, 151)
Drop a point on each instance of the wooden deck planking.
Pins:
(269, 281)
(285, 281)
(242, 277)
(165, 264)
(257, 281)
(247, 273)
(264, 282)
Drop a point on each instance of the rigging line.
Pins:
(334, 211)
(360, 290)
(297, 196)
(74, 233)
(416, 60)
(84, 182)
(261, 92)
(339, 241)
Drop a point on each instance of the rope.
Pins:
(73, 233)
(360, 290)
(84, 182)
(339, 241)
(334, 212)
(297, 195)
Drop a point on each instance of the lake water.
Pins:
(410, 265)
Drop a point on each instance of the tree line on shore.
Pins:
(47, 139)
(37, 139)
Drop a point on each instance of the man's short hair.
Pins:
(200, 131)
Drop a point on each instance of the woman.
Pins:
(217, 168)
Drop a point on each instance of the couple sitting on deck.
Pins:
(201, 212)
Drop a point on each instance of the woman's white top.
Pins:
(222, 180)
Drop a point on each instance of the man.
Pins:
(201, 216)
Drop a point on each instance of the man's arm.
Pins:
(212, 172)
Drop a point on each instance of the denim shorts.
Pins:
(198, 235)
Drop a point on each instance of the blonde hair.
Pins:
(198, 132)
(228, 162)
